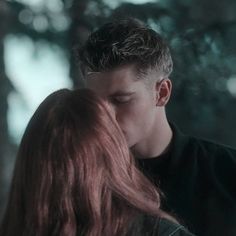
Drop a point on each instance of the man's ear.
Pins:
(163, 91)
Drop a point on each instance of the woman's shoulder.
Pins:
(169, 228)
(154, 226)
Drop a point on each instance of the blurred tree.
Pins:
(19, 19)
(5, 88)
(85, 16)
(204, 57)
(70, 24)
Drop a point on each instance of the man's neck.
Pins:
(156, 144)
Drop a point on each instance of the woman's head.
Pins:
(74, 173)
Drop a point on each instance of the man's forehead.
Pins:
(111, 77)
(110, 86)
(124, 70)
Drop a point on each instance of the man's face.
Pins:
(134, 101)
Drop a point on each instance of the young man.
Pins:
(129, 65)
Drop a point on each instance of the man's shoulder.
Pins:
(201, 154)
(195, 146)
(203, 147)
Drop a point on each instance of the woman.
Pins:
(74, 176)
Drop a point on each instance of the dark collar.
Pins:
(177, 146)
(170, 159)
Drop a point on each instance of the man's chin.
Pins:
(132, 146)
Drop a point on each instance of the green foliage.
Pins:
(201, 35)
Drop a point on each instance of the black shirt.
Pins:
(198, 179)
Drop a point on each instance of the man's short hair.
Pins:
(125, 42)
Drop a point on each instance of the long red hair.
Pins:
(74, 174)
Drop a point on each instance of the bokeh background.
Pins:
(37, 38)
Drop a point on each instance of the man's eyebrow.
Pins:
(93, 72)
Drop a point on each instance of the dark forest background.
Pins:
(201, 34)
